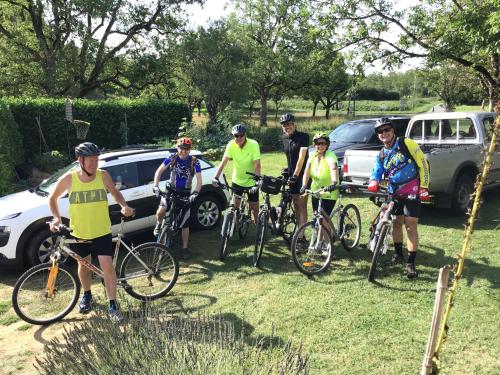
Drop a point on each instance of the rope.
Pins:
(468, 236)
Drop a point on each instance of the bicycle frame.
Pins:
(384, 216)
(321, 215)
(170, 214)
(235, 209)
(62, 242)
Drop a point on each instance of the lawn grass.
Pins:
(348, 325)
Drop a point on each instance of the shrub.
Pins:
(6, 177)
(11, 142)
(50, 161)
(154, 343)
(135, 121)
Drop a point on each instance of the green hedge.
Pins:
(146, 120)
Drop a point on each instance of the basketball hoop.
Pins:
(68, 113)
(82, 128)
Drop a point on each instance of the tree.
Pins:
(270, 31)
(216, 65)
(329, 83)
(453, 83)
(76, 46)
(465, 32)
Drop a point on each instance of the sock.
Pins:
(87, 293)
(398, 248)
(112, 304)
(412, 256)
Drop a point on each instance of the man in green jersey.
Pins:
(245, 154)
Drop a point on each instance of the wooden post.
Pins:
(441, 288)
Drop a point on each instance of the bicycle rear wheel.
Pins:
(310, 253)
(350, 227)
(379, 243)
(262, 221)
(225, 234)
(244, 220)
(44, 294)
(145, 285)
(288, 222)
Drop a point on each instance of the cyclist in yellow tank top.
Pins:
(87, 189)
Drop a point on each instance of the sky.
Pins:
(215, 9)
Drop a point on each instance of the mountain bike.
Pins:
(381, 231)
(280, 219)
(48, 292)
(312, 242)
(169, 229)
(234, 218)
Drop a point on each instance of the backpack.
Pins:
(403, 148)
(173, 162)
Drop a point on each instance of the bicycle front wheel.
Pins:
(350, 227)
(288, 223)
(312, 248)
(244, 220)
(260, 236)
(379, 243)
(149, 272)
(45, 293)
(225, 234)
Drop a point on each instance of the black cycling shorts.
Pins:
(407, 207)
(327, 205)
(295, 188)
(239, 190)
(182, 212)
(98, 246)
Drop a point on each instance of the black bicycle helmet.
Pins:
(383, 121)
(238, 129)
(322, 136)
(287, 117)
(87, 149)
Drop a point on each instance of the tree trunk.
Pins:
(315, 105)
(327, 113)
(263, 107)
(212, 108)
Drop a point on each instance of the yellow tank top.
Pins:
(88, 207)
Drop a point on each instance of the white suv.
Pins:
(24, 235)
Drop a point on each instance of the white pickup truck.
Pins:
(453, 142)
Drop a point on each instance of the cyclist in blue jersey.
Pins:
(183, 168)
(405, 167)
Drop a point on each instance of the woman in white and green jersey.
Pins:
(322, 169)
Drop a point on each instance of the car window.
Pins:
(488, 127)
(125, 176)
(148, 169)
(431, 131)
(204, 164)
(353, 132)
(466, 129)
(416, 130)
(400, 125)
(49, 184)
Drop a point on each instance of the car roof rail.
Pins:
(116, 154)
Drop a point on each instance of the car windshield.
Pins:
(353, 132)
(48, 185)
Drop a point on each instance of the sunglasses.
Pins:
(320, 144)
(384, 130)
(184, 148)
(285, 124)
(238, 135)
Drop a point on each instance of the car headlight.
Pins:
(11, 216)
(4, 229)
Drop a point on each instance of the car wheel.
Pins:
(206, 212)
(464, 187)
(39, 248)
